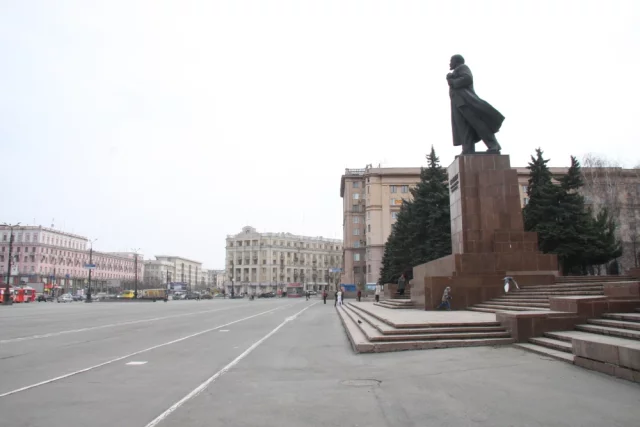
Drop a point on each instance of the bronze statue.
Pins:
(472, 119)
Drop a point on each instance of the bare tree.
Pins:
(608, 185)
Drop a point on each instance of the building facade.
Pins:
(371, 200)
(158, 273)
(182, 270)
(262, 262)
(46, 256)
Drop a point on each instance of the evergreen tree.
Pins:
(565, 226)
(542, 210)
(431, 222)
(422, 231)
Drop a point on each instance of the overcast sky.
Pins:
(166, 125)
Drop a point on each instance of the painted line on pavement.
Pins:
(108, 362)
(111, 325)
(222, 371)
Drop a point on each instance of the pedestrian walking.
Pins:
(324, 296)
(336, 299)
(359, 295)
(308, 295)
(446, 299)
(401, 284)
(340, 297)
(378, 292)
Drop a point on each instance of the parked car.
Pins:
(78, 298)
(206, 296)
(193, 295)
(65, 298)
(44, 298)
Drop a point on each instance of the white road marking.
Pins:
(61, 377)
(222, 371)
(136, 363)
(111, 325)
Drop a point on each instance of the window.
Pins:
(525, 188)
(356, 257)
(526, 201)
(356, 219)
(369, 228)
(356, 196)
(394, 215)
(356, 270)
(356, 244)
(368, 215)
(355, 208)
(4, 237)
(356, 184)
(404, 189)
(369, 268)
(27, 237)
(356, 231)
(395, 202)
(394, 189)
(368, 189)
(19, 237)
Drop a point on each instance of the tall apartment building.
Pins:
(268, 261)
(371, 199)
(48, 256)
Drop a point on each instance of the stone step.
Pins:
(546, 351)
(373, 335)
(395, 306)
(358, 340)
(606, 330)
(615, 323)
(390, 330)
(567, 335)
(483, 310)
(629, 317)
(363, 345)
(552, 343)
(586, 286)
(518, 303)
(556, 293)
(526, 297)
(589, 279)
(509, 307)
(360, 307)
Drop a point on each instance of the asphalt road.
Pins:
(274, 362)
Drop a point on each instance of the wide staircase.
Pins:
(371, 333)
(536, 298)
(609, 344)
(398, 301)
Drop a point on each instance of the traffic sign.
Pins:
(90, 266)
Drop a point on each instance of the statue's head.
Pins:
(455, 61)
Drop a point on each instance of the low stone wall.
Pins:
(525, 325)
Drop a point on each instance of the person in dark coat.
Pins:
(472, 119)
(401, 284)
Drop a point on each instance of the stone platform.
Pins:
(375, 329)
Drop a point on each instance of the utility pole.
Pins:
(135, 266)
(7, 290)
(90, 268)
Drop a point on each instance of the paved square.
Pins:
(282, 363)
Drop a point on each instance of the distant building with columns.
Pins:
(263, 262)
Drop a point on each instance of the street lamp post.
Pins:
(135, 266)
(7, 291)
(90, 269)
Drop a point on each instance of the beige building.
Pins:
(182, 270)
(371, 200)
(262, 262)
(158, 272)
